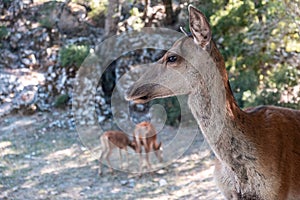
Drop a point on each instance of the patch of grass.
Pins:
(73, 55)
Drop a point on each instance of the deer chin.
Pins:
(147, 92)
(141, 100)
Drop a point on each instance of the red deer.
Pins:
(258, 149)
(145, 135)
(110, 140)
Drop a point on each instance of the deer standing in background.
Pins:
(258, 149)
(111, 140)
(145, 135)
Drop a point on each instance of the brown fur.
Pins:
(111, 140)
(257, 150)
(145, 135)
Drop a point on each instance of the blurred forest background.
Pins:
(42, 47)
(46, 42)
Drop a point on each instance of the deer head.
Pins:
(179, 71)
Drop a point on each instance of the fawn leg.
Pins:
(147, 150)
(102, 152)
(108, 161)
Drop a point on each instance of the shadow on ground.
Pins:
(54, 164)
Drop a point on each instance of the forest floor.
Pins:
(54, 164)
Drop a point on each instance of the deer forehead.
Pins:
(186, 48)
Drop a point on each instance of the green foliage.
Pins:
(98, 9)
(136, 21)
(172, 108)
(258, 40)
(73, 55)
(279, 84)
(61, 100)
(46, 22)
(253, 36)
(246, 82)
(7, 3)
(134, 12)
(3, 32)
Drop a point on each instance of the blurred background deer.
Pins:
(111, 140)
(145, 136)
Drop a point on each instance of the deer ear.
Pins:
(199, 27)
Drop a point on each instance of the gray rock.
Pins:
(162, 182)
(9, 59)
(131, 183)
(124, 182)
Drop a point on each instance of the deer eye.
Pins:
(171, 59)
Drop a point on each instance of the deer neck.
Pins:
(215, 109)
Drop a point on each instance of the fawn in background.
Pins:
(111, 140)
(145, 135)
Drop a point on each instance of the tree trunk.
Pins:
(170, 18)
(112, 17)
(147, 5)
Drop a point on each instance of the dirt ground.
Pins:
(38, 162)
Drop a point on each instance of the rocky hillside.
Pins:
(42, 47)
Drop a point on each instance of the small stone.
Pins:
(161, 171)
(33, 59)
(27, 156)
(101, 118)
(163, 182)
(53, 74)
(90, 122)
(140, 107)
(53, 193)
(26, 61)
(10, 59)
(131, 183)
(175, 165)
(88, 188)
(124, 182)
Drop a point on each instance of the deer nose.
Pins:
(128, 94)
(140, 91)
(132, 92)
